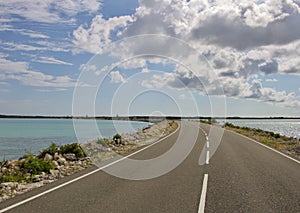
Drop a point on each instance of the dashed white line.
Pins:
(203, 194)
(207, 157)
(207, 144)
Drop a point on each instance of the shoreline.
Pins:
(66, 160)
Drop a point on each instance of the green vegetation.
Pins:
(117, 136)
(117, 139)
(74, 148)
(27, 167)
(35, 165)
(19, 171)
(209, 121)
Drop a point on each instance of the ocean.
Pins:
(21, 136)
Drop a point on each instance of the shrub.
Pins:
(117, 139)
(35, 165)
(50, 150)
(13, 176)
(117, 136)
(72, 148)
(227, 124)
(277, 135)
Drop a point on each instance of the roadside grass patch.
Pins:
(274, 140)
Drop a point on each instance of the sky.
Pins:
(150, 57)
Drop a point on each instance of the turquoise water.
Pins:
(18, 136)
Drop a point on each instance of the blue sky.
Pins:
(211, 57)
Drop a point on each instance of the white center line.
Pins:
(203, 194)
(207, 157)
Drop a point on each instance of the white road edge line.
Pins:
(86, 175)
(203, 194)
(268, 148)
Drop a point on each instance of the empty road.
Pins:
(242, 176)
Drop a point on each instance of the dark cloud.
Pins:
(221, 31)
(269, 67)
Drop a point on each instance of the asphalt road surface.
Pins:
(242, 176)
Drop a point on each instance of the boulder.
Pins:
(70, 157)
(54, 173)
(48, 157)
(56, 156)
(62, 161)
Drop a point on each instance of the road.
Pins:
(242, 176)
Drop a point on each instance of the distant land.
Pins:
(137, 118)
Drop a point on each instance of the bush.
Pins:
(117, 139)
(50, 150)
(277, 135)
(14, 176)
(35, 165)
(117, 136)
(72, 148)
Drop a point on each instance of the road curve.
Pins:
(242, 177)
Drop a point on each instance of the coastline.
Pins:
(66, 164)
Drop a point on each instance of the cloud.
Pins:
(48, 11)
(95, 38)
(21, 72)
(37, 46)
(272, 80)
(239, 39)
(51, 60)
(52, 90)
(29, 33)
(116, 77)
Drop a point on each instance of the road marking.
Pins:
(274, 150)
(207, 157)
(83, 176)
(207, 144)
(203, 194)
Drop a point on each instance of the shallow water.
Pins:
(18, 136)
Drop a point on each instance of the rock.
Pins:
(56, 156)
(47, 181)
(54, 173)
(8, 185)
(70, 156)
(48, 157)
(62, 161)
(55, 163)
(36, 179)
(21, 187)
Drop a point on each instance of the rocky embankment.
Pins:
(32, 171)
(102, 149)
(17, 175)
